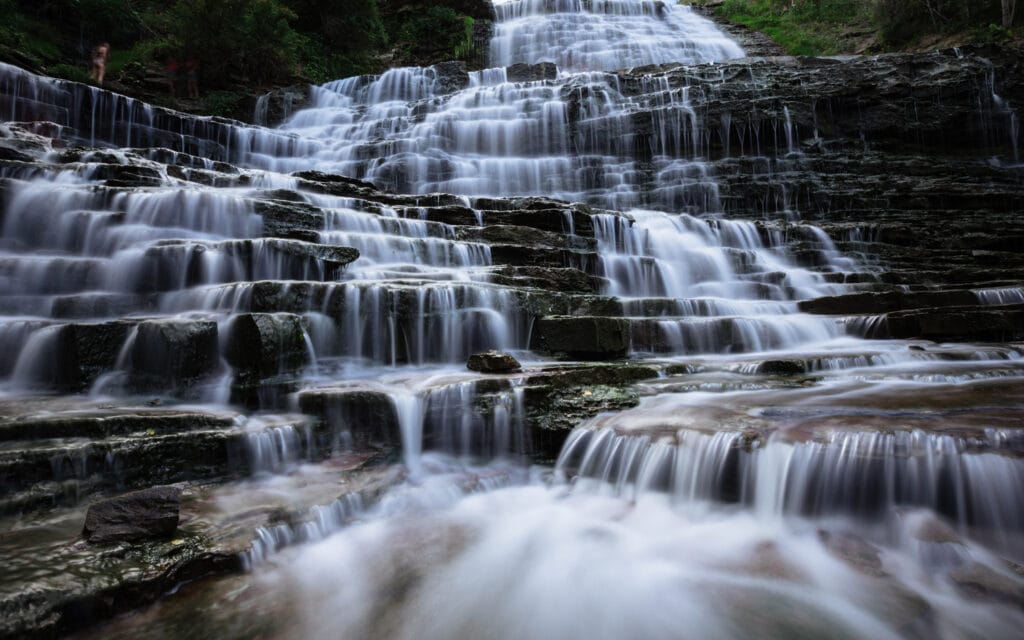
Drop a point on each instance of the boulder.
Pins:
(272, 296)
(354, 417)
(492, 362)
(264, 344)
(174, 351)
(139, 515)
(781, 368)
(582, 338)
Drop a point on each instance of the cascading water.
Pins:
(570, 136)
(788, 474)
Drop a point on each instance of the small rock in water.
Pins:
(492, 362)
(139, 515)
(781, 368)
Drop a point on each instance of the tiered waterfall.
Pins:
(759, 397)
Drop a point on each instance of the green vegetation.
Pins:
(237, 44)
(436, 31)
(251, 40)
(221, 103)
(804, 28)
(828, 27)
(466, 46)
(70, 72)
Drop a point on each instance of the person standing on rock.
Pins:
(100, 55)
(171, 71)
(192, 77)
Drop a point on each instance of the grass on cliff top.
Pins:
(826, 27)
(831, 27)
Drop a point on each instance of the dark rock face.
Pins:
(262, 344)
(353, 417)
(522, 72)
(149, 513)
(452, 76)
(92, 449)
(884, 302)
(567, 280)
(174, 352)
(271, 109)
(492, 362)
(849, 102)
(584, 338)
(84, 351)
(991, 324)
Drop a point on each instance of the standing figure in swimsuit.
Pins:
(100, 55)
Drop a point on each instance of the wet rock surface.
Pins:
(169, 353)
(493, 362)
(139, 515)
(214, 536)
(583, 338)
(531, 72)
(264, 344)
(271, 109)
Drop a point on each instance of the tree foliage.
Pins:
(239, 42)
(249, 39)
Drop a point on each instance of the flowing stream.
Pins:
(876, 495)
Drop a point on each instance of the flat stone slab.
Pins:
(140, 515)
(68, 417)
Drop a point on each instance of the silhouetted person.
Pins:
(192, 76)
(100, 55)
(171, 69)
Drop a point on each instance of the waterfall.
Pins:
(313, 291)
(570, 137)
